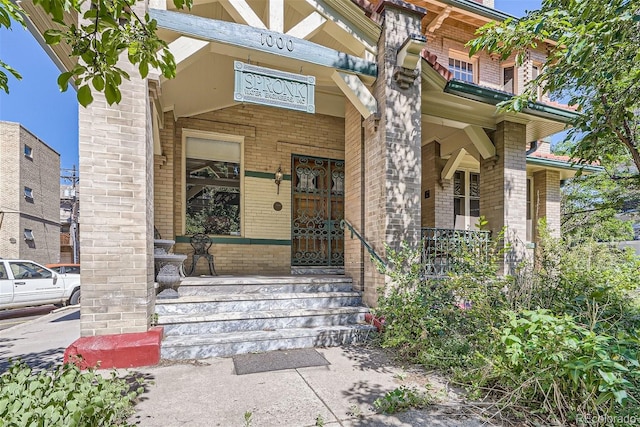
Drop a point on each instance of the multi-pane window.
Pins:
(213, 174)
(466, 198)
(28, 151)
(509, 79)
(462, 70)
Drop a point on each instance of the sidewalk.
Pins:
(209, 393)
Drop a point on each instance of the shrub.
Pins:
(63, 396)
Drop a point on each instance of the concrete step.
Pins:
(264, 284)
(222, 303)
(229, 344)
(254, 320)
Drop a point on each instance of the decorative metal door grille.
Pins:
(317, 187)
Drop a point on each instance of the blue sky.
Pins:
(36, 102)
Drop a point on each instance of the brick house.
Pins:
(402, 135)
(29, 188)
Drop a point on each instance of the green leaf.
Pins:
(63, 81)
(98, 83)
(84, 95)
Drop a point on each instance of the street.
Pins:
(9, 318)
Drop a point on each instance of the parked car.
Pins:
(26, 283)
(64, 268)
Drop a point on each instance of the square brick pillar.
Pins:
(354, 197)
(503, 189)
(116, 195)
(546, 201)
(437, 208)
(392, 145)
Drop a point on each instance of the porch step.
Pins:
(223, 303)
(263, 284)
(229, 344)
(223, 316)
(204, 323)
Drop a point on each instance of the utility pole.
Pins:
(71, 175)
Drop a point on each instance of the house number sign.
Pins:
(265, 86)
(281, 42)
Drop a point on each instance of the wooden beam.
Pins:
(240, 11)
(453, 163)
(261, 40)
(481, 141)
(308, 27)
(356, 92)
(276, 15)
(409, 53)
(184, 48)
(438, 20)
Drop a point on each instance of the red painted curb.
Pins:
(116, 351)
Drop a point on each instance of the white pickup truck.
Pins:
(25, 283)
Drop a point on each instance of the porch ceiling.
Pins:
(204, 80)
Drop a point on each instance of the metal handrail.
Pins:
(344, 223)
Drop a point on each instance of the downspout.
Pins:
(532, 149)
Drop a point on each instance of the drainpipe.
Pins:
(533, 147)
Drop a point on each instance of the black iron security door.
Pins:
(317, 207)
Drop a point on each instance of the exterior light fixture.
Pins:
(279, 176)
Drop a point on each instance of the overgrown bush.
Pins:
(561, 338)
(63, 396)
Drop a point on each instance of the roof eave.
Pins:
(559, 164)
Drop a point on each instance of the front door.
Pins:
(317, 207)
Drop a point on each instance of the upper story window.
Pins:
(28, 152)
(213, 176)
(509, 79)
(28, 193)
(28, 234)
(535, 72)
(463, 68)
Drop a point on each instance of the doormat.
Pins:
(277, 360)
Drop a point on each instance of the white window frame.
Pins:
(28, 234)
(28, 151)
(537, 65)
(28, 193)
(530, 217)
(469, 221)
(464, 57)
(214, 136)
(515, 77)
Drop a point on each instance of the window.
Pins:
(509, 79)
(535, 72)
(213, 176)
(29, 270)
(462, 70)
(28, 193)
(3, 272)
(28, 234)
(28, 151)
(530, 210)
(466, 199)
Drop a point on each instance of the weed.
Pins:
(247, 418)
(402, 399)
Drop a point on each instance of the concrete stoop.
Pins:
(224, 316)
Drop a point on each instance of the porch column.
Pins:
(392, 145)
(437, 193)
(503, 188)
(546, 201)
(353, 199)
(116, 195)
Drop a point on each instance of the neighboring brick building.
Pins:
(404, 135)
(29, 196)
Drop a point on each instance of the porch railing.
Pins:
(441, 248)
(344, 224)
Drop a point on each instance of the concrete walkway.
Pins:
(209, 393)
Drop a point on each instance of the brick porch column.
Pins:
(546, 201)
(116, 196)
(437, 208)
(503, 188)
(392, 146)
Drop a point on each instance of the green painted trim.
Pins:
(265, 175)
(254, 38)
(559, 164)
(494, 97)
(238, 241)
(472, 6)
